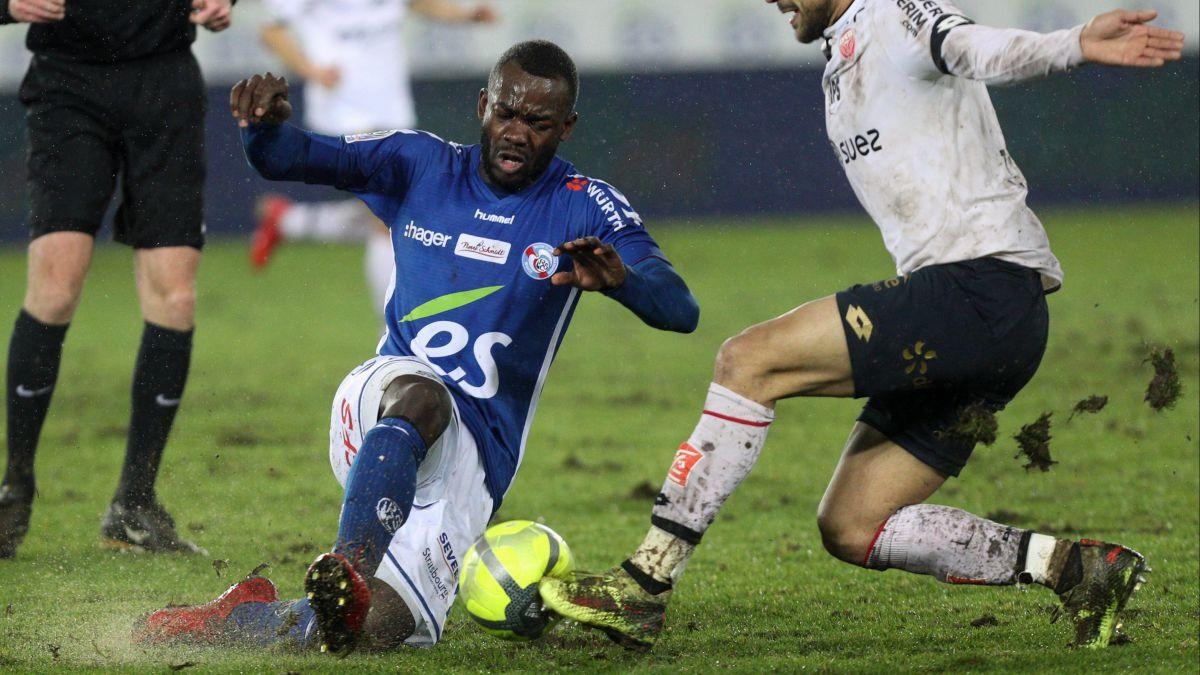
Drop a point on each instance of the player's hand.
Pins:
(598, 267)
(483, 14)
(326, 76)
(215, 15)
(1121, 38)
(37, 11)
(262, 99)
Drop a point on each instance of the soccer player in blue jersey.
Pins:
(493, 245)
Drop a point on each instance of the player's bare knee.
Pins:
(390, 622)
(843, 536)
(739, 363)
(54, 306)
(421, 401)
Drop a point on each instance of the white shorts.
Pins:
(452, 503)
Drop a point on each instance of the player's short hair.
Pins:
(541, 58)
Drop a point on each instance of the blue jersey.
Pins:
(472, 294)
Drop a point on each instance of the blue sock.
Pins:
(269, 623)
(379, 492)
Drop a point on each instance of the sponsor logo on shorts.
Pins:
(686, 459)
(917, 360)
(424, 236)
(859, 322)
(435, 578)
(448, 554)
(347, 426)
(481, 248)
(389, 514)
(539, 260)
(26, 392)
(494, 218)
(370, 136)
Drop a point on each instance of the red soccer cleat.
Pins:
(202, 623)
(267, 234)
(339, 597)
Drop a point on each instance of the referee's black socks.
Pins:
(33, 357)
(159, 377)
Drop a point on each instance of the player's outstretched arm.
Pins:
(1122, 38)
(650, 288)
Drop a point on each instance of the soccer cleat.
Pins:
(1111, 574)
(203, 624)
(16, 505)
(267, 233)
(142, 528)
(612, 602)
(339, 597)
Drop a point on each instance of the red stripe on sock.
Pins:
(871, 546)
(738, 420)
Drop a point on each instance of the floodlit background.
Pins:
(711, 107)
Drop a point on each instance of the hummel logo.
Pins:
(26, 392)
(136, 536)
(166, 402)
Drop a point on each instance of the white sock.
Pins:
(1037, 558)
(950, 544)
(707, 468)
(380, 266)
(345, 220)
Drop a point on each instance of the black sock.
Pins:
(1072, 571)
(158, 380)
(33, 357)
(648, 583)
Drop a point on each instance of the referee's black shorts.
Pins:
(925, 346)
(141, 120)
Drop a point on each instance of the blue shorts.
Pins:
(926, 345)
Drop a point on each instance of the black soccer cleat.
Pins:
(16, 506)
(339, 597)
(1111, 574)
(143, 528)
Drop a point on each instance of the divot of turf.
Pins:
(976, 424)
(1165, 388)
(1092, 404)
(1033, 442)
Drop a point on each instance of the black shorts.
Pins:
(925, 346)
(142, 120)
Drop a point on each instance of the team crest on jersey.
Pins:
(846, 44)
(371, 136)
(577, 183)
(539, 260)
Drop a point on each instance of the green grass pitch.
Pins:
(246, 473)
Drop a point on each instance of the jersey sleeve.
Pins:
(934, 39)
(378, 166)
(614, 221)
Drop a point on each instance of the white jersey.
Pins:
(908, 114)
(363, 39)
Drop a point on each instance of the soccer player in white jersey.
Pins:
(965, 323)
(351, 56)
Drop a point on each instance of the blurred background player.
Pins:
(113, 90)
(493, 245)
(965, 327)
(351, 56)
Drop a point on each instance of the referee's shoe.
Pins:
(143, 528)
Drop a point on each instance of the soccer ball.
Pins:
(500, 575)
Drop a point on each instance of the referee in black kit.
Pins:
(113, 90)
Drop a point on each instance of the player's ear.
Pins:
(481, 107)
(568, 126)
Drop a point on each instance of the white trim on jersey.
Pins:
(545, 370)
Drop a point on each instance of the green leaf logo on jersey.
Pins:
(448, 302)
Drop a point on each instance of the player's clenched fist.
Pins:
(262, 99)
(37, 11)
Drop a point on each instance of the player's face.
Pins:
(524, 118)
(810, 18)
